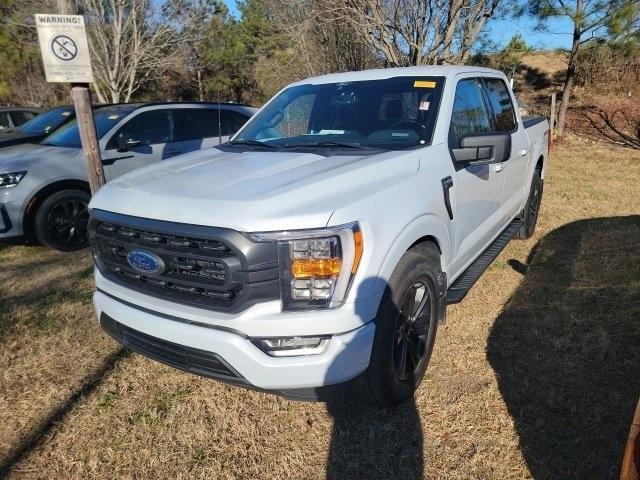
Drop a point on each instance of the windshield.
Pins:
(105, 118)
(393, 114)
(48, 121)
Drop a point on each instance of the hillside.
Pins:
(600, 112)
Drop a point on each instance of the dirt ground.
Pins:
(535, 374)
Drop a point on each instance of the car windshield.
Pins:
(104, 118)
(48, 121)
(391, 114)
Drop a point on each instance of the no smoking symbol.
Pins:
(64, 48)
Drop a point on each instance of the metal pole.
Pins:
(88, 137)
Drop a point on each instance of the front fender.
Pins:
(427, 225)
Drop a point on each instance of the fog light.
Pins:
(291, 346)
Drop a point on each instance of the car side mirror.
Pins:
(483, 149)
(126, 145)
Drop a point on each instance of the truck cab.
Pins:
(314, 254)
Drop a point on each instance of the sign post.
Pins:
(65, 55)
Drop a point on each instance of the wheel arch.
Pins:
(426, 228)
(42, 194)
(540, 164)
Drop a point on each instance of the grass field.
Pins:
(535, 374)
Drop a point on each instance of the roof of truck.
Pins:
(382, 73)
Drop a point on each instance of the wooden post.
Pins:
(88, 137)
(631, 460)
(81, 98)
(552, 117)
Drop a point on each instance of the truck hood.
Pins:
(253, 191)
(25, 156)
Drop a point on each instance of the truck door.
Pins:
(514, 170)
(477, 189)
(139, 142)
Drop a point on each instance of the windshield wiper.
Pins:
(325, 144)
(253, 143)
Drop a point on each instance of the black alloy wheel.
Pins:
(61, 221)
(406, 325)
(412, 328)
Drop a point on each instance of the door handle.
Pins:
(174, 152)
(523, 151)
(498, 167)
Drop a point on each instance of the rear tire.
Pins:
(61, 220)
(406, 325)
(531, 208)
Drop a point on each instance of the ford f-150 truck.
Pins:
(314, 254)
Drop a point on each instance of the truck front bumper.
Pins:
(229, 355)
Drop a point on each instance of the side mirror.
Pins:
(126, 145)
(483, 149)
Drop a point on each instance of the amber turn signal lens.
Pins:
(316, 267)
(357, 240)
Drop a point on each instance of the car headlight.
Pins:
(316, 266)
(8, 180)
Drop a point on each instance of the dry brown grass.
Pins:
(532, 376)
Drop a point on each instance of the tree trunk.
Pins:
(571, 68)
(200, 86)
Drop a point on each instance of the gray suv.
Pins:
(44, 191)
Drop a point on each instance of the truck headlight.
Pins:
(316, 266)
(8, 180)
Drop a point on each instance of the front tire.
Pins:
(406, 325)
(61, 220)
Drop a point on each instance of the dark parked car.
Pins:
(38, 127)
(11, 117)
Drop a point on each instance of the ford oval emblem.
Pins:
(145, 262)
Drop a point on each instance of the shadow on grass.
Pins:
(373, 442)
(47, 424)
(370, 442)
(566, 349)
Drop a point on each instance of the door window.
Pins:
(21, 117)
(4, 120)
(500, 100)
(470, 115)
(148, 128)
(194, 123)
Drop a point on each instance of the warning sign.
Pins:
(64, 47)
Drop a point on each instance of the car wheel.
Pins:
(406, 325)
(532, 208)
(61, 220)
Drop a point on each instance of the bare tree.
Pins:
(416, 32)
(317, 45)
(131, 41)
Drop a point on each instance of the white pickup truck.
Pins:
(314, 254)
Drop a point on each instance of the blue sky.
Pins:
(556, 35)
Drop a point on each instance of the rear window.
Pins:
(501, 104)
(194, 124)
(232, 121)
